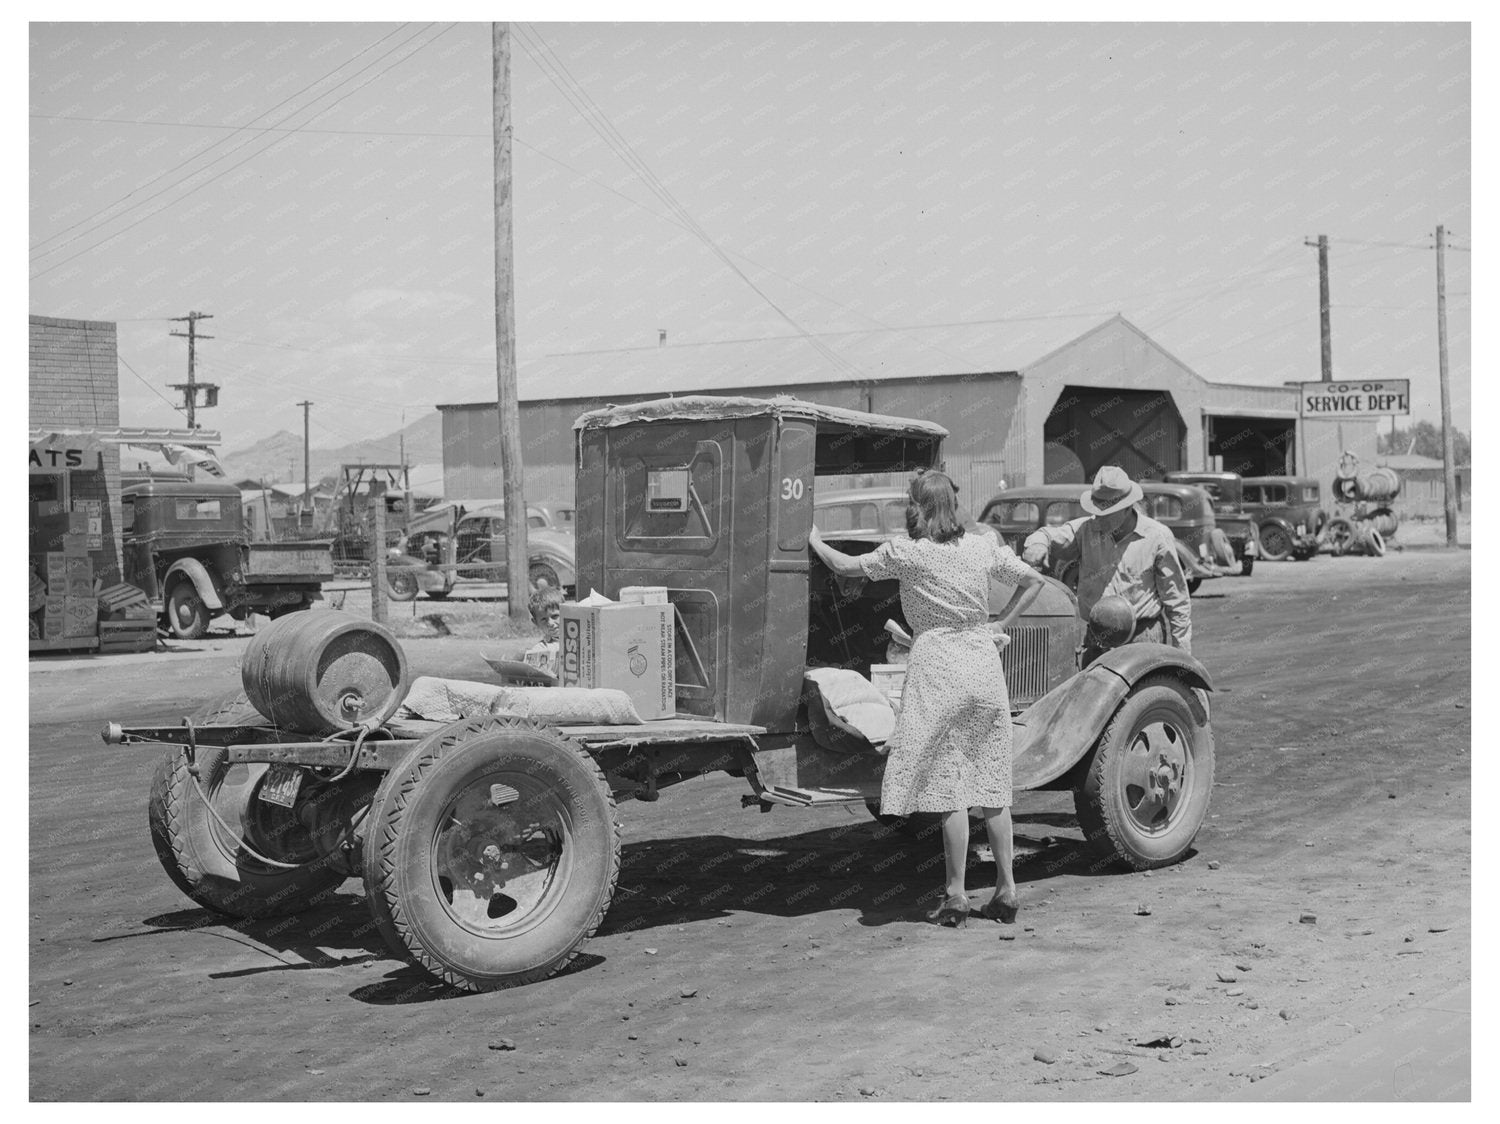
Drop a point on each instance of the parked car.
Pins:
(878, 513)
(1288, 513)
(417, 562)
(186, 546)
(1184, 508)
(1242, 536)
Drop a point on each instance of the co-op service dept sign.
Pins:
(1356, 399)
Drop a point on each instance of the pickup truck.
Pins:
(187, 547)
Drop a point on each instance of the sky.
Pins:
(326, 193)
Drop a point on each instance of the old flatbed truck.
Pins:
(490, 847)
(187, 547)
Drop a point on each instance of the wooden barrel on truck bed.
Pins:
(319, 672)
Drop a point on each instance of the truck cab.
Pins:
(187, 547)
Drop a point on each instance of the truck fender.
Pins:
(1192, 566)
(559, 562)
(1279, 521)
(197, 573)
(1061, 727)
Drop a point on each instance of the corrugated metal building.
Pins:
(1024, 402)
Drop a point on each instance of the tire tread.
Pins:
(380, 868)
(1096, 816)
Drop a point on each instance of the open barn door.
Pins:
(1139, 430)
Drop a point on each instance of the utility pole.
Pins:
(1327, 327)
(517, 581)
(306, 457)
(190, 388)
(1450, 508)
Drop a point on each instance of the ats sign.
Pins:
(1356, 399)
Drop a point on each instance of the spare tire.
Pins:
(1340, 535)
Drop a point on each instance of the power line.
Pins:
(1367, 242)
(233, 130)
(1228, 284)
(257, 128)
(553, 67)
(252, 156)
(149, 386)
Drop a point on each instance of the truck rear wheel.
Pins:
(1146, 791)
(492, 854)
(187, 615)
(1275, 543)
(211, 865)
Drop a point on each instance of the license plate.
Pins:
(280, 785)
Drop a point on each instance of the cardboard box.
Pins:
(54, 613)
(75, 545)
(80, 616)
(644, 595)
(80, 577)
(55, 569)
(46, 508)
(626, 646)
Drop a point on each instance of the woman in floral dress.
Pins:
(951, 750)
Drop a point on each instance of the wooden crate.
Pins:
(127, 636)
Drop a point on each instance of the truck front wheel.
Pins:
(187, 615)
(1147, 788)
(492, 854)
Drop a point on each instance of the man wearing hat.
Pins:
(1124, 556)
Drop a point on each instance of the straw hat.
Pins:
(1113, 491)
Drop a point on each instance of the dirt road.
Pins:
(781, 956)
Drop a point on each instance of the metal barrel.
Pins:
(319, 672)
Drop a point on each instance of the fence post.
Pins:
(378, 589)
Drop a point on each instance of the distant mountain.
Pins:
(278, 458)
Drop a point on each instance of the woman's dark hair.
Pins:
(932, 508)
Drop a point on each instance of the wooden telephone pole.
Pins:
(306, 457)
(190, 388)
(1450, 507)
(518, 584)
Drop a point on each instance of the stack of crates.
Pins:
(60, 562)
(127, 623)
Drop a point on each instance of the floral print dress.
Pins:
(951, 749)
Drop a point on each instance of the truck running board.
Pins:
(806, 797)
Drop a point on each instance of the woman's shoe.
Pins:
(953, 913)
(1002, 908)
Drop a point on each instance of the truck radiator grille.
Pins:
(1025, 663)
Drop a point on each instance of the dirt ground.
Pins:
(783, 956)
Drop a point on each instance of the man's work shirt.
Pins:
(1141, 567)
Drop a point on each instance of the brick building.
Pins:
(74, 394)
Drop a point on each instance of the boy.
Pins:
(546, 614)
